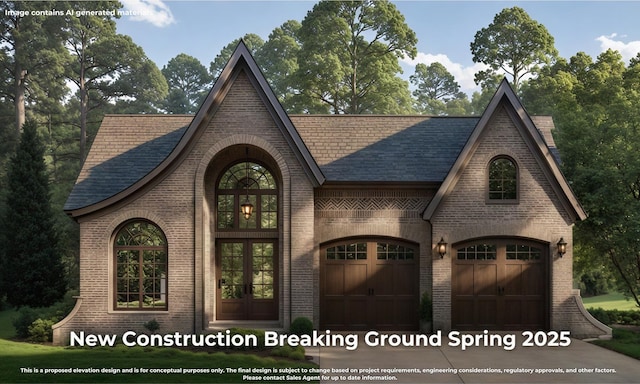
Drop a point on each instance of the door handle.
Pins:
(220, 282)
(251, 289)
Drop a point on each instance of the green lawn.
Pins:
(624, 341)
(16, 358)
(610, 301)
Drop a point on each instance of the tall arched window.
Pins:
(503, 180)
(140, 251)
(247, 181)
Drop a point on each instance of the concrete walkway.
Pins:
(580, 362)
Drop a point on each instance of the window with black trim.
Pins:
(140, 251)
(252, 181)
(503, 179)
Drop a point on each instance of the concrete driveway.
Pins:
(580, 362)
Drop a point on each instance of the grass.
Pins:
(624, 341)
(16, 357)
(610, 301)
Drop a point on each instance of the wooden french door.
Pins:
(500, 284)
(247, 280)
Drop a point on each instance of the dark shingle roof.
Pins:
(372, 148)
(348, 148)
(126, 149)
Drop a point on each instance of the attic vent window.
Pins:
(503, 180)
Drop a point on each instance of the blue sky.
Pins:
(444, 28)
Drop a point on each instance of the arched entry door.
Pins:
(369, 284)
(246, 261)
(500, 284)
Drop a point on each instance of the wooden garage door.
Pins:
(500, 285)
(369, 284)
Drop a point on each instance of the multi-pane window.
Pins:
(353, 251)
(503, 179)
(389, 251)
(140, 251)
(523, 252)
(247, 181)
(478, 252)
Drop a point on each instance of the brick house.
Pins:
(353, 218)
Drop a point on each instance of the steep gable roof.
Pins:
(532, 137)
(104, 179)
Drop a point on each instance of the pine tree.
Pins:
(32, 272)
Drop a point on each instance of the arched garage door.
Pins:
(500, 284)
(369, 284)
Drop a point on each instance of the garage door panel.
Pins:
(464, 312)
(356, 309)
(513, 280)
(334, 311)
(355, 279)
(375, 289)
(533, 277)
(463, 283)
(508, 291)
(513, 312)
(487, 310)
(382, 279)
(334, 279)
(485, 279)
(404, 281)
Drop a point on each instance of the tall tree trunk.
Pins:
(84, 102)
(20, 87)
(84, 106)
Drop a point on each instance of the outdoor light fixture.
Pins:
(562, 247)
(246, 208)
(441, 247)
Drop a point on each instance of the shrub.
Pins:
(40, 330)
(614, 316)
(426, 307)
(26, 316)
(49, 315)
(301, 326)
(152, 325)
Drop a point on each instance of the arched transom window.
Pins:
(140, 251)
(503, 179)
(247, 181)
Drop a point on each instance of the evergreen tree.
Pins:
(32, 272)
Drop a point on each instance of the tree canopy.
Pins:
(514, 43)
(437, 92)
(188, 82)
(353, 68)
(594, 104)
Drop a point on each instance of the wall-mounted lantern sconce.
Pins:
(246, 208)
(441, 247)
(562, 247)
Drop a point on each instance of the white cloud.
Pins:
(155, 12)
(463, 74)
(627, 50)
